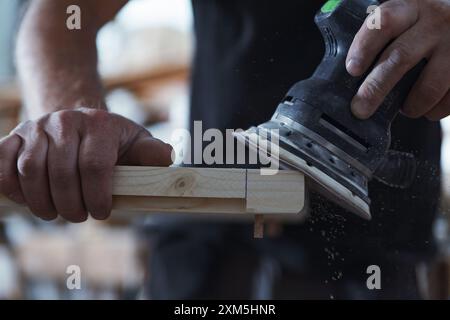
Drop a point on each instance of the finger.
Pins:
(33, 178)
(441, 110)
(397, 16)
(97, 157)
(431, 87)
(9, 181)
(63, 173)
(147, 151)
(400, 57)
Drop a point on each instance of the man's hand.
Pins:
(418, 29)
(62, 163)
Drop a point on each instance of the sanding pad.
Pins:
(318, 181)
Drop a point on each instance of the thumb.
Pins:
(148, 151)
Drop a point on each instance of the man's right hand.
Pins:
(62, 164)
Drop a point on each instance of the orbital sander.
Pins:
(314, 130)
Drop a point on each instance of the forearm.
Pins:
(57, 66)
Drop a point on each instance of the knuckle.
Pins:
(99, 121)
(98, 116)
(62, 123)
(34, 136)
(387, 19)
(25, 124)
(29, 130)
(400, 56)
(65, 116)
(27, 166)
(22, 127)
(42, 122)
(372, 90)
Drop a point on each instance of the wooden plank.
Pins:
(204, 190)
(266, 194)
(180, 182)
(179, 205)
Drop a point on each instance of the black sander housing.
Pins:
(319, 135)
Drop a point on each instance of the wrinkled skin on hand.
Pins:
(411, 30)
(62, 164)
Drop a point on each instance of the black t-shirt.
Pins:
(248, 54)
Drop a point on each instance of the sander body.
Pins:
(316, 132)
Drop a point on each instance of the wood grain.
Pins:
(204, 190)
(180, 182)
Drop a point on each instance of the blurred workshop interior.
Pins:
(144, 59)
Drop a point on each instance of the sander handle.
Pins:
(339, 21)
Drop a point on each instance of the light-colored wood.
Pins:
(267, 193)
(204, 190)
(179, 205)
(180, 182)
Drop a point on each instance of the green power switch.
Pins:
(330, 5)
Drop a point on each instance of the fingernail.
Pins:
(101, 216)
(408, 111)
(411, 108)
(360, 108)
(164, 144)
(169, 147)
(354, 66)
(402, 112)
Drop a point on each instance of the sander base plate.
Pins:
(318, 181)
